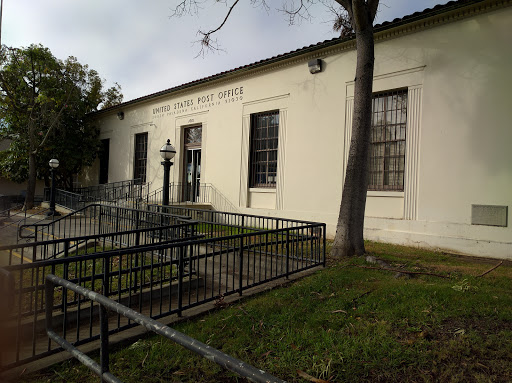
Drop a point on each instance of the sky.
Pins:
(139, 45)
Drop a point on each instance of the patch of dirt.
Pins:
(482, 326)
(34, 210)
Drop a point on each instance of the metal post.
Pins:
(167, 168)
(325, 244)
(104, 360)
(287, 253)
(241, 266)
(106, 275)
(48, 299)
(52, 194)
(180, 279)
(52, 211)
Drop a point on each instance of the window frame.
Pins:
(263, 142)
(387, 152)
(140, 157)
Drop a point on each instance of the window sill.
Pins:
(383, 193)
(262, 190)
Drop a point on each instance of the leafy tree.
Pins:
(43, 107)
(353, 19)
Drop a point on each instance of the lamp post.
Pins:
(54, 164)
(167, 152)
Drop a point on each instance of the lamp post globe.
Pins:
(54, 163)
(167, 152)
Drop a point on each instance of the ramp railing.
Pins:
(96, 219)
(157, 279)
(102, 369)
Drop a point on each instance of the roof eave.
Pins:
(397, 24)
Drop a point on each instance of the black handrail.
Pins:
(89, 209)
(63, 246)
(102, 369)
(182, 193)
(222, 255)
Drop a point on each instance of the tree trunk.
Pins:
(349, 230)
(31, 183)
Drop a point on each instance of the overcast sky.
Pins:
(138, 45)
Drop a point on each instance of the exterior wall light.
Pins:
(167, 152)
(315, 66)
(120, 115)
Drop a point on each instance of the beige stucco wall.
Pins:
(458, 138)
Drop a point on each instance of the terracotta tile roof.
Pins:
(428, 12)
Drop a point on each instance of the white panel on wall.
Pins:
(412, 153)
(349, 108)
(281, 159)
(246, 131)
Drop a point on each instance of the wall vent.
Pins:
(489, 215)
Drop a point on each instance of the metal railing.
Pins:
(217, 223)
(102, 369)
(183, 193)
(67, 199)
(18, 217)
(96, 219)
(9, 202)
(111, 192)
(7, 212)
(67, 247)
(158, 279)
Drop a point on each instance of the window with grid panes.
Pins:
(263, 150)
(141, 157)
(387, 147)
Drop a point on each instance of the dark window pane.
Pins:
(387, 148)
(193, 135)
(140, 158)
(263, 150)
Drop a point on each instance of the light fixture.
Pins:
(315, 66)
(120, 115)
(167, 151)
(54, 163)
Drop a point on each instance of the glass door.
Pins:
(192, 173)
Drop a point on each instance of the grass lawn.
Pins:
(346, 323)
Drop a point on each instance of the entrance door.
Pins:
(104, 157)
(192, 173)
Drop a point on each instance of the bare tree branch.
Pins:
(347, 4)
(191, 7)
(301, 11)
(342, 22)
(491, 269)
(53, 124)
(206, 41)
